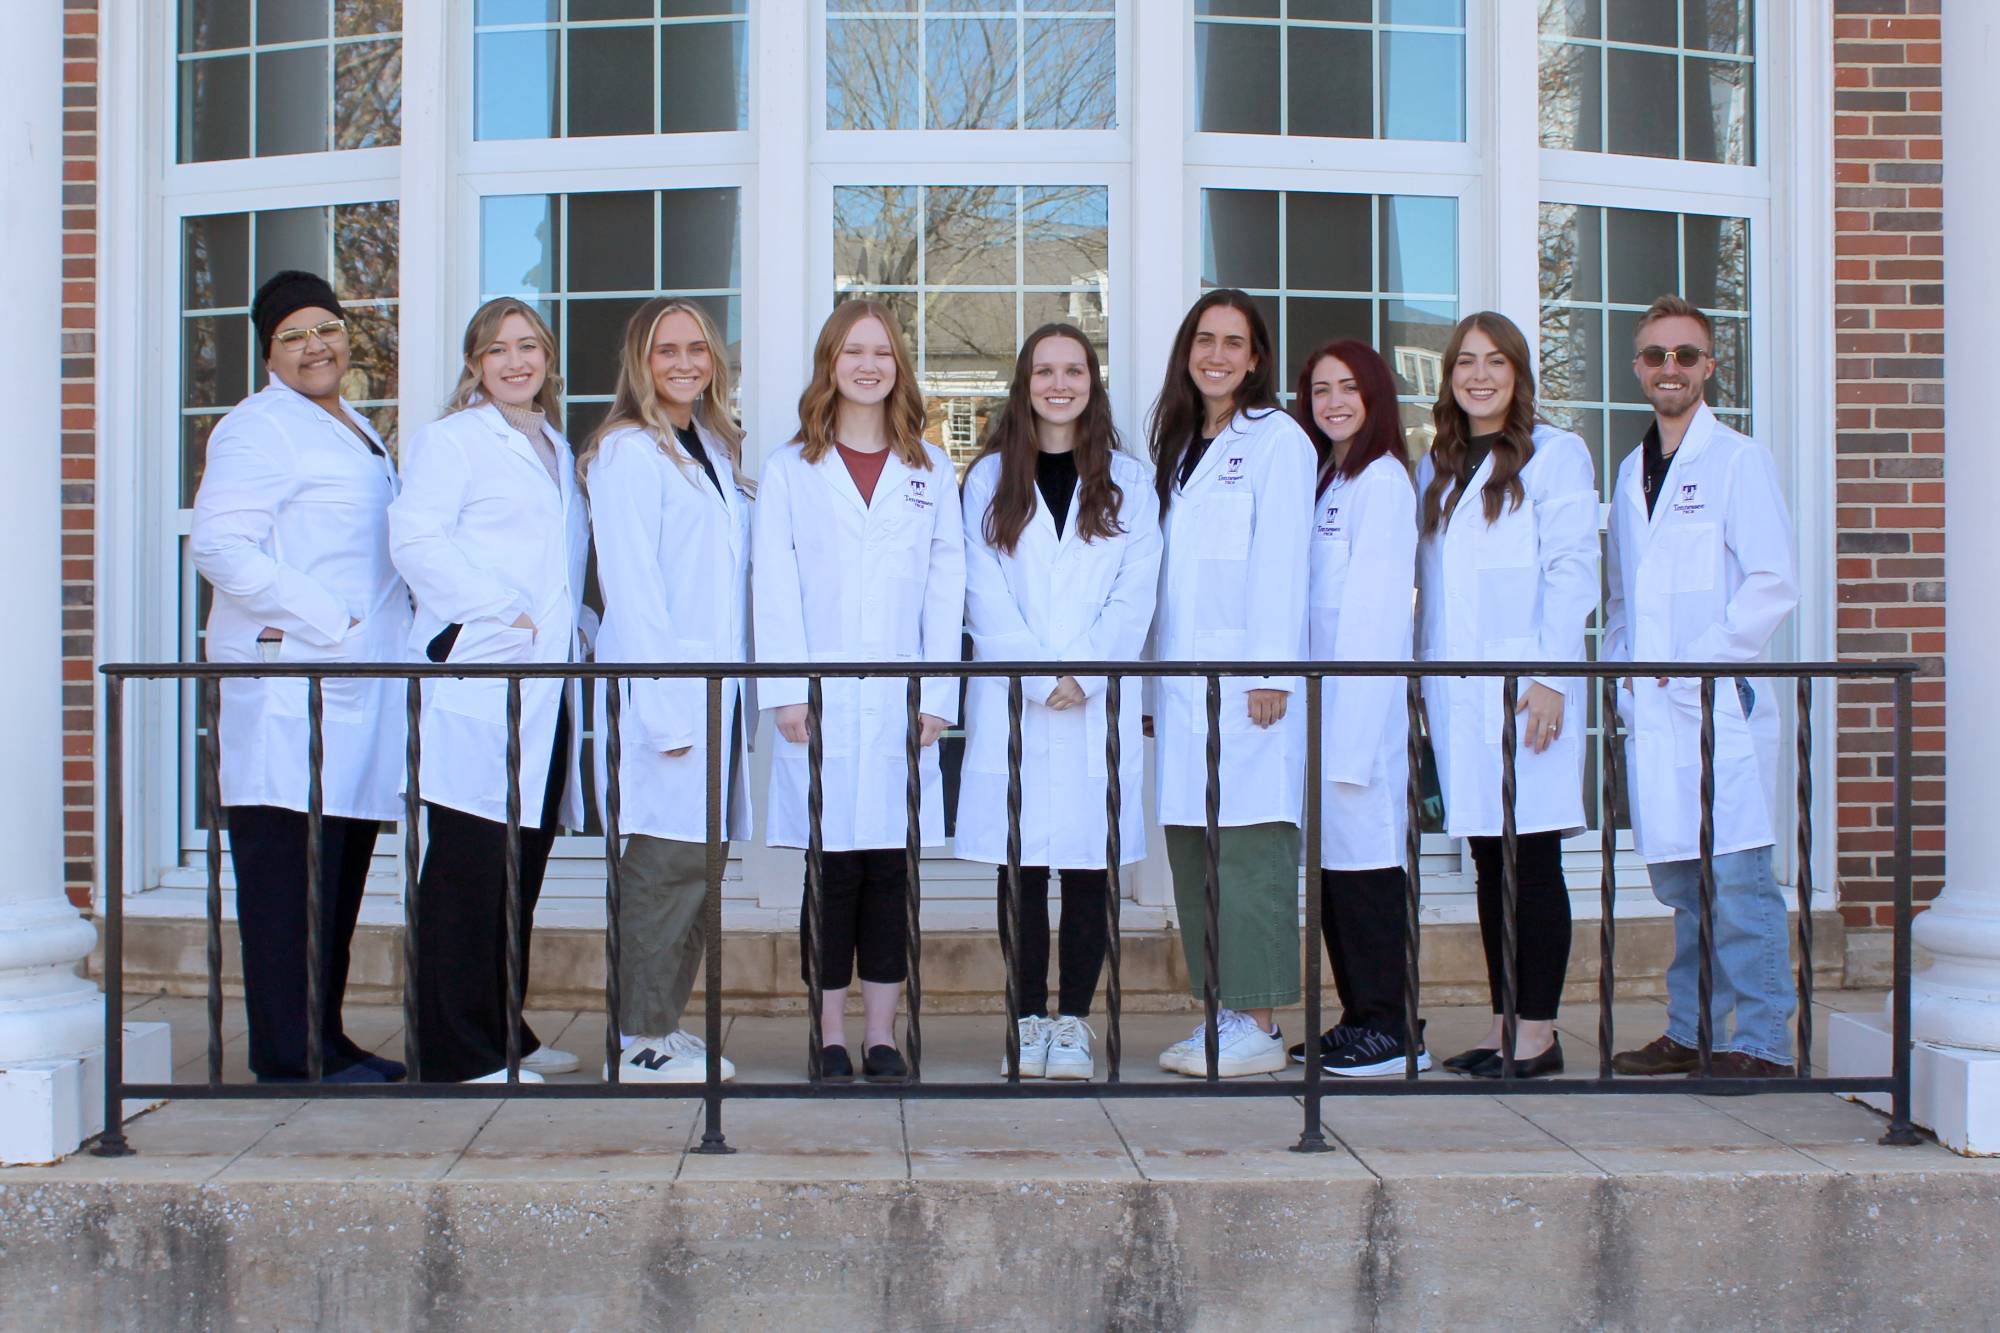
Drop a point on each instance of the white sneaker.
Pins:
(500, 1076)
(1242, 1048)
(549, 1060)
(1069, 1049)
(678, 1057)
(1175, 1057)
(1034, 1036)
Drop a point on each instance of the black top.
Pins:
(1653, 477)
(1192, 458)
(1476, 450)
(1055, 475)
(691, 441)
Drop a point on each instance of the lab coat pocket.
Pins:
(1225, 522)
(1692, 557)
(1492, 688)
(479, 642)
(1508, 542)
(1329, 571)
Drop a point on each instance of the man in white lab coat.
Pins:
(291, 530)
(1702, 570)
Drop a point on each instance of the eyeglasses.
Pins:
(1685, 355)
(331, 331)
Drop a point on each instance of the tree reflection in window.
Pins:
(302, 76)
(1651, 78)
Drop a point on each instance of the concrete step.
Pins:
(961, 969)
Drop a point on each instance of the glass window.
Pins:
(971, 65)
(553, 69)
(1654, 78)
(636, 245)
(970, 270)
(1380, 268)
(1601, 268)
(273, 77)
(1339, 69)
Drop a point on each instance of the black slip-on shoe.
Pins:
(834, 1066)
(884, 1064)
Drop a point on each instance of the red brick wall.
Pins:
(1889, 427)
(79, 442)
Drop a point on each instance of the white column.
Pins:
(47, 1012)
(1955, 1001)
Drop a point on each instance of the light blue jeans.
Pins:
(1753, 954)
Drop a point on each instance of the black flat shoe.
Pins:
(834, 1066)
(1467, 1061)
(884, 1064)
(1535, 1066)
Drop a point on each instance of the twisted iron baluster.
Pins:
(1705, 926)
(1113, 857)
(1805, 876)
(1510, 884)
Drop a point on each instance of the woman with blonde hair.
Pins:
(490, 534)
(670, 511)
(858, 556)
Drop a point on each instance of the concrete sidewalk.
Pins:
(1463, 1211)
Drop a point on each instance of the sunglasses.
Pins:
(1686, 355)
(293, 339)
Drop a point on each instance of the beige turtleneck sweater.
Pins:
(530, 421)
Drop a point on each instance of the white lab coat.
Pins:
(673, 559)
(1364, 575)
(1056, 599)
(291, 529)
(833, 579)
(1233, 588)
(1707, 578)
(483, 536)
(1520, 589)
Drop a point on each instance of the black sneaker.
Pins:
(884, 1064)
(1330, 1041)
(1372, 1053)
(834, 1065)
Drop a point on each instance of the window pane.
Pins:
(618, 253)
(1331, 93)
(213, 25)
(871, 74)
(1419, 244)
(1312, 320)
(602, 56)
(215, 265)
(610, 84)
(215, 366)
(596, 332)
(1327, 242)
(1688, 94)
(1414, 334)
(1065, 235)
(1571, 106)
(296, 81)
(1239, 238)
(969, 336)
(290, 21)
(1718, 111)
(1718, 262)
(1423, 86)
(970, 79)
(1236, 79)
(704, 77)
(1644, 254)
(1718, 25)
(969, 234)
(1441, 13)
(517, 244)
(1071, 76)
(699, 240)
(1650, 22)
(364, 251)
(371, 355)
(1572, 266)
(515, 85)
(290, 238)
(1368, 77)
(875, 235)
(215, 109)
(1572, 354)
(366, 18)
(195, 431)
(291, 101)
(1572, 18)
(1643, 117)
(368, 94)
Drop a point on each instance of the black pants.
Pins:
(1083, 939)
(1541, 919)
(863, 914)
(1362, 916)
(268, 847)
(462, 931)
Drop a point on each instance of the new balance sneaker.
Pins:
(1069, 1049)
(1330, 1041)
(546, 1060)
(1371, 1053)
(500, 1076)
(1242, 1048)
(1033, 1032)
(678, 1057)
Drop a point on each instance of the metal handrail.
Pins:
(112, 1141)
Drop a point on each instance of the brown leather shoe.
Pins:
(1661, 1055)
(1735, 1064)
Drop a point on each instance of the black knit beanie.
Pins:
(293, 289)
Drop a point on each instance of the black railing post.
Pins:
(815, 875)
(1510, 881)
(614, 869)
(1312, 1138)
(208, 784)
(516, 937)
(1413, 845)
(712, 1140)
(1211, 888)
(1114, 847)
(1607, 880)
(413, 697)
(111, 1140)
(1901, 1132)
(1805, 876)
(315, 880)
(1010, 898)
(1705, 921)
(913, 870)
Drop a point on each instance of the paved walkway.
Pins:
(1088, 1139)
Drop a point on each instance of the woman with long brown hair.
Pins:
(670, 510)
(1364, 569)
(490, 534)
(858, 555)
(1062, 554)
(1507, 572)
(1235, 481)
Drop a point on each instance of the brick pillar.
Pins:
(79, 443)
(1889, 428)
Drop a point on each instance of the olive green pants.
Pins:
(1257, 907)
(662, 888)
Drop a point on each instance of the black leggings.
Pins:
(1541, 920)
(1362, 916)
(1083, 941)
(863, 913)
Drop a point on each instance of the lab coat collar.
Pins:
(1693, 444)
(346, 436)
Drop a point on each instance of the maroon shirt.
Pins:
(866, 469)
